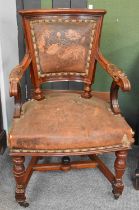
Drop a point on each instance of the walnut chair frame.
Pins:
(120, 80)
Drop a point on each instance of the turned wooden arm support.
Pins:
(17, 73)
(15, 78)
(120, 80)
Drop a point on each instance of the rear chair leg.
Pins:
(19, 172)
(136, 178)
(119, 165)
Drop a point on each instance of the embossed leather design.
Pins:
(63, 45)
(67, 121)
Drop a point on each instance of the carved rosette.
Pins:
(119, 77)
(15, 78)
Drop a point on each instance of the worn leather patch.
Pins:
(68, 121)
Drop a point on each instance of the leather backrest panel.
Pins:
(63, 45)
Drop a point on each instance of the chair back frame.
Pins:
(68, 18)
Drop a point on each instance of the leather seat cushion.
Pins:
(68, 121)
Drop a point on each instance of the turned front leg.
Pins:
(19, 172)
(119, 165)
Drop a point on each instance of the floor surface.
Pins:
(85, 189)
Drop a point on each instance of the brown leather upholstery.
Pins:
(62, 44)
(68, 121)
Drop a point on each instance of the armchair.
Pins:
(63, 45)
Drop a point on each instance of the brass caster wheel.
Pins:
(116, 195)
(24, 204)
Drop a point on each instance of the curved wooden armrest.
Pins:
(119, 80)
(15, 77)
(17, 73)
(118, 76)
